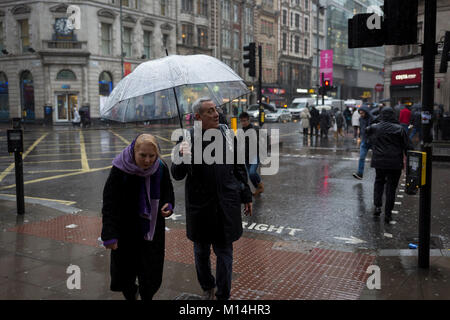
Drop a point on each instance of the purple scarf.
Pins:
(125, 161)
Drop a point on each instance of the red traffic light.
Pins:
(327, 83)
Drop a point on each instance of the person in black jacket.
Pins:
(325, 123)
(314, 121)
(364, 121)
(137, 196)
(214, 193)
(252, 161)
(389, 145)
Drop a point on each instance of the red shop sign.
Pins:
(404, 77)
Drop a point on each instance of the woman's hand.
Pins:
(112, 246)
(165, 211)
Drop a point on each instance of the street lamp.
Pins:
(319, 9)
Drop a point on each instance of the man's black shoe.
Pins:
(357, 176)
(387, 218)
(377, 211)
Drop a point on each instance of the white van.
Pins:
(298, 104)
(335, 103)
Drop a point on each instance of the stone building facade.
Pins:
(45, 64)
(403, 64)
(295, 47)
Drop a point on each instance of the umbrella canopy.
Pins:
(149, 91)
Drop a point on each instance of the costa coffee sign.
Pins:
(404, 77)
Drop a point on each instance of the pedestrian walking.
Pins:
(416, 122)
(348, 118)
(304, 120)
(364, 121)
(390, 144)
(214, 193)
(252, 161)
(325, 123)
(76, 121)
(137, 196)
(314, 121)
(355, 123)
(339, 118)
(405, 118)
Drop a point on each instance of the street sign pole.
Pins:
(427, 124)
(261, 109)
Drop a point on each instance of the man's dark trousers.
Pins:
(224, 267)
(389, 178)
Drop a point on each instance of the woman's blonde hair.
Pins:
(148, 138)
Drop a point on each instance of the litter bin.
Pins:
(445, 127)
(48, 119)
(85, 116)
(17, 123)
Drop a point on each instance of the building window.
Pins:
(105, 83)
(2, 41)
(24, 35)
(106, 38)
(226, 38)
(65, 75)
(147, 44)
(226, 8)
(284, 21)
(284, 43)
(297, 44)
(202, 7)
(202, 34)
(4, 97)
(165, 40)
(297, 20)
(235, 13)
(127, 41)
(187, 6)
(163, 7)
(27, 95)
(306, 24)
(306, 4)
(306, 47)
(248, 16)
(236, 40)
(187, 34)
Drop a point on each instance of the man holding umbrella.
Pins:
(214, 193)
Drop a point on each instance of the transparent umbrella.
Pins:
(167, 87)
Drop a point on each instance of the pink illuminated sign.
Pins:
(326, 65)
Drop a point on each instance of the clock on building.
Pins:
(62, 28)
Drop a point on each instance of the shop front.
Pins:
(406, 86)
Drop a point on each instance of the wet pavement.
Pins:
(312, 235)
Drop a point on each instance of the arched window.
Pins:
(105, 83)
(4, 99)
(27, 95)
(66, 75)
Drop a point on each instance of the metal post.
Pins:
(20, 195)
(318, 53)
(427, 125)
(323, 90)
(121, 39)
(261, 109)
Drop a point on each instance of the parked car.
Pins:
(281, 115)
(253, 111)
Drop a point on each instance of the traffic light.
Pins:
(400, 21)
(360, 36)
(250, 55)
(445, 57)
(398, 26)
(327, 85)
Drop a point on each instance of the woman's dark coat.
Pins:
(213, 196)
(121, 221)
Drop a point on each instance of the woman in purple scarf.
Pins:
(138, 195)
